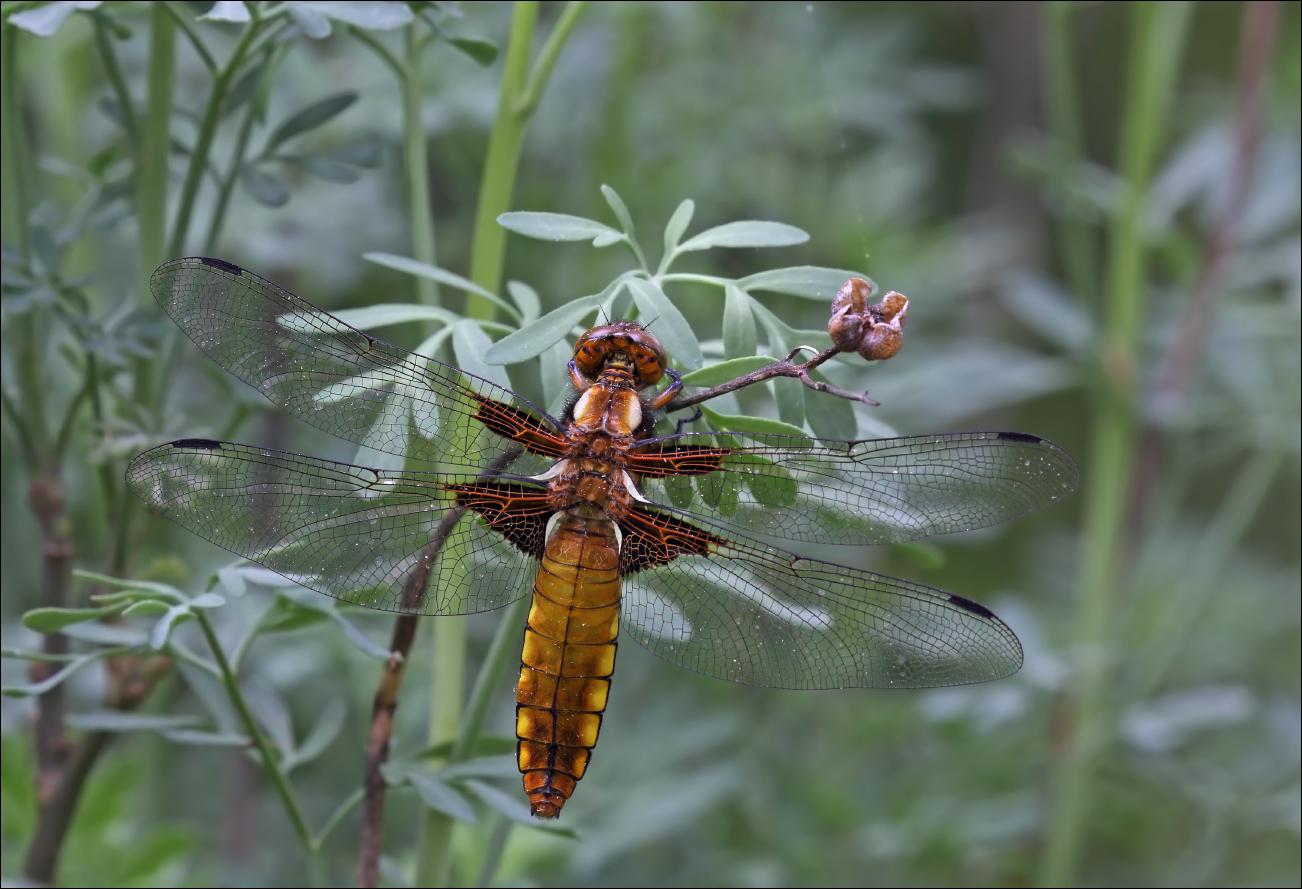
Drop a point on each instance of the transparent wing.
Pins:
(392, 541)
(863, 492)
(343, 381)
(754, 614)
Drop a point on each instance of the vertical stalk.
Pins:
(194, 175)
(1156, 43)
(15, 170)
(1063, 112)
(521, 92)
(151, 161)
(448, 637)
(416, 159)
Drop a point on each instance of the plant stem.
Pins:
(519, 97)
(504, 647)
(15, 169)
(1156, 43)
(1064, 118)
(108, 55)
(207, 132)
(784, 368)
(416, 160)
(227, 188)
(270, 763)
(155, 145)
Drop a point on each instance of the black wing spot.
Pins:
(974, 607)
(1020, 436)
(222, 264)
(201, 444)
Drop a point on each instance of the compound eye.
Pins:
(649, 365)
(589, 355)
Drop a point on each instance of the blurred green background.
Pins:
(1094, 210)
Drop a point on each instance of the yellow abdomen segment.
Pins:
(569, 655)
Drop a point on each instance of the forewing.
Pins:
(343, 381)
(386, 540)
(750, 613)
(864, 492)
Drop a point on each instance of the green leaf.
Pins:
(677, 225)
(809, 281)
(227, 12)
(146, 606)
(831, 418)
(726, 371)
(670, 327)
(534, 339)
(325, 168)
(443, 276)
(367, 153)
(680, 490)
(499, 766)
(323, 733)
(485, 745)
(775, 488)
(482, 51)
(208, 739)
(437, 795)
(207, 600)
(45, 20)
(376, 15)
(52, 620)
(125, 721)
(790, 396)
(309, 118)
(167, 591)
(286, 616)
(177, 614)
(925, 555)
(40, 688)
(387, 314)
(748, 233)
(739, 423)
(470, 344)
(619, 208)
(527, 299)
(558, 227)
(263, 187)
(244, 88)
(739, 337)
(510, 807)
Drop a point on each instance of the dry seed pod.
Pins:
(874, 331)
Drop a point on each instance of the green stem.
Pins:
(207, 132)
(434, 863)
(270, 763)
(155, 145)
(180, 18)
(1156, 43)
(505, 646)
(108, 55)
(15, 169)
(1064, 118)
(497, 838)
(416, 160)
(521, 92)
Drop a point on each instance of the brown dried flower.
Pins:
(875, 331)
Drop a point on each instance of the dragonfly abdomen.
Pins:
(569, 656)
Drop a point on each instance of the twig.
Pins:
(784, 368)
(46, 499)
(385, 705)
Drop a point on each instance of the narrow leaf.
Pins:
(534, 339)
(726, 371)
(739, 336)
(738, 423)
(619, 208)
(40, 688)
(439, 796)
(750, 233)
(556, 226)
(376, 15)
(326, 168)
(809, 281)
(124, 721)
(470, 344)
(510, 807)
(207, 600)
(527, 299)
(227, 11)
(163, 628)
(52, 620)
(677, 225)
(388, 314)
(666, 322)
(482, 51)
(433, 272)
(309, 118)
(263, 187)
(208, 739)
(327, 728)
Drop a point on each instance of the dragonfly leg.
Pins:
(692, 419)
(675, 386)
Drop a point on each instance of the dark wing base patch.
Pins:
(656, 538)
(517, 512)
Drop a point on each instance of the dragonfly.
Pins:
(614, 530)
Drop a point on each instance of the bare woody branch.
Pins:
(787, 367)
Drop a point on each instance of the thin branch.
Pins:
(385, 705)
(104, 43)
(551, 52)
(784, 368)
(192, 35)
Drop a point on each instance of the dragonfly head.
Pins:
(622, 344)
